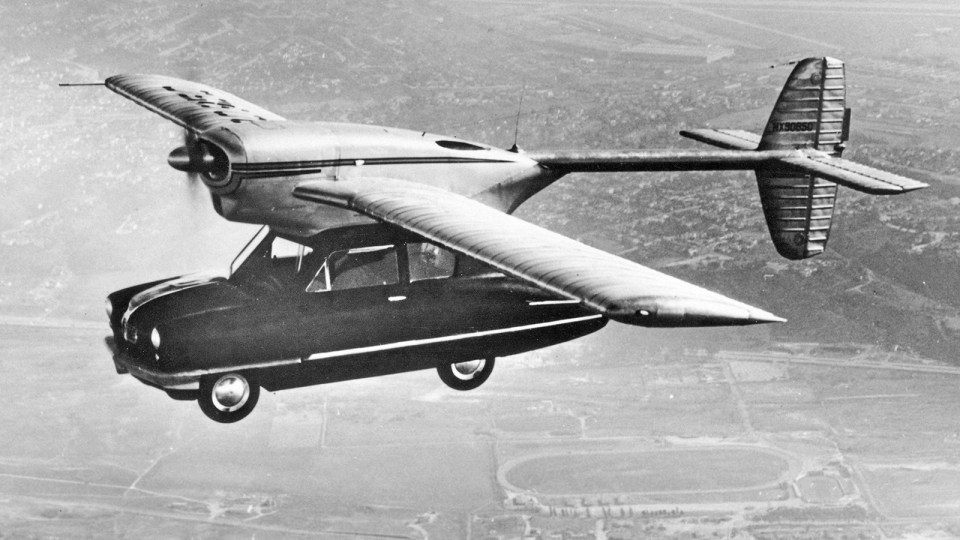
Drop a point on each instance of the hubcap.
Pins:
(230, 393)
(466, 370)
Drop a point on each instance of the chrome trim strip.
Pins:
(551, 302)
(185, 379)
(444, 339)
(300, 168)
(195, 385)
(343, 162)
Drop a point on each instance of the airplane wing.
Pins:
(190, 105)
(618, 288)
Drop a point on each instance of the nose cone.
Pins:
(179, 159)
(199, 158)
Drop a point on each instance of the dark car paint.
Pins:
(283, 337)
(120, 299)
(374, 364)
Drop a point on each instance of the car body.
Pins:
(358, 302)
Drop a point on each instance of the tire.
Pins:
(465, 376)
(227, 397)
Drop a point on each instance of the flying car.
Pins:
(386, 250)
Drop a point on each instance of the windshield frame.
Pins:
(249, 249)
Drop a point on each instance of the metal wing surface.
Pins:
(808, 161)
(854, 175)
(191, 105)
(618, 288)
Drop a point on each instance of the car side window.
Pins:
(429, 261)
(356, 268)
(470, 267)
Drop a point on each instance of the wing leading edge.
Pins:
(618, 288)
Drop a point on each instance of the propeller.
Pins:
(204, 163)
(177, 161)
(198, 156)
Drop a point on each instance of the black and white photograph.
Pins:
(480, 270)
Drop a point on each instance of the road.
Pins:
(728, 356)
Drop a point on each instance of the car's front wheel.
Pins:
(227, 397)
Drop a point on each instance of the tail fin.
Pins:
(810, 113)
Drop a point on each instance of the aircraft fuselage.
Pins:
(266, 164)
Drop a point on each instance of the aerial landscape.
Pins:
(840, 423)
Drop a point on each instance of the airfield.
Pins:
(840, 424)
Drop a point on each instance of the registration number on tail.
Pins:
(777, 127)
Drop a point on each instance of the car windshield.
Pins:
(270, 264)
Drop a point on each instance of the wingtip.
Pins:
(758, 316)
(688, 312)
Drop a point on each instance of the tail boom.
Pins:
(796, 160)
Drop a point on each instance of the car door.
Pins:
(432, 308)
(352, 303)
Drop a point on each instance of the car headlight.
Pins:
(155, 338)
(109, 306)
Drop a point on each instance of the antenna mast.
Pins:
(516, 127)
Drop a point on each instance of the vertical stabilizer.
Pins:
(810, 113)
(811, 109)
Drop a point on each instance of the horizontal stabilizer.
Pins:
(615, 287)
(855, 175)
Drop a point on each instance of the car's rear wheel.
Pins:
(227, 397)
(467, 375)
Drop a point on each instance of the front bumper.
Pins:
(125, 362)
